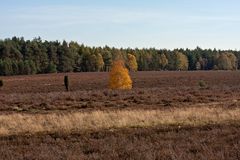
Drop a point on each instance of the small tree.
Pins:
(107, 57)
(224, 62)
(119, 76)
(233, 60)
(181, 61)
(99, 62)
(66, 83)
(132, 63)
(163, 61)
(198, 66)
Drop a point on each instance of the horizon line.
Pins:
(122, 47)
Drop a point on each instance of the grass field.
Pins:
(167, 115)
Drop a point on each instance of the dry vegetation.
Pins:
(17, 124)
(167, 115)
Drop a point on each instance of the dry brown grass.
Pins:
(15, 124)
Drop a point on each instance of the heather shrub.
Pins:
(202, 84)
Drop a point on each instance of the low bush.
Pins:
(202, 84)
(1, 83)
(66, 83)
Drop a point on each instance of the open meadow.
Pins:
(167, 115)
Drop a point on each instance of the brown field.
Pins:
(167, 115)
(152, 90)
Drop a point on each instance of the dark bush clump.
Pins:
(1, 83)
(66, 83)
(202, 84)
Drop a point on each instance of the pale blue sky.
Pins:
(126, 23)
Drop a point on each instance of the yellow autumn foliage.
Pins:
(119, 76)
(132, 63)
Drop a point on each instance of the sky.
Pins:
(126, 23)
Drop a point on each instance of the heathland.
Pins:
(166, 115)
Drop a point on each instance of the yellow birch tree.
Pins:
(119, 76)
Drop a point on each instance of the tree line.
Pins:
(19, 56)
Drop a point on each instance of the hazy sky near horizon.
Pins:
(126, 23)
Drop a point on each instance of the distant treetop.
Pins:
(19, 56)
